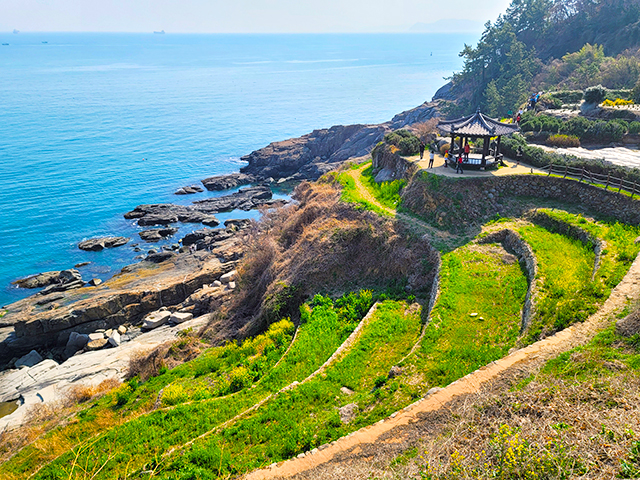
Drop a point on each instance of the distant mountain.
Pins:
(448, 26)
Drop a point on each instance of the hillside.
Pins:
(348, 316)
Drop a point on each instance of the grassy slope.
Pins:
(473, 280)
(306, 417)
(142, 439)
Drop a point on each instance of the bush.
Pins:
(604, 132)
(407, 143)
(577, 126)
(595, 94)
(550, 101)
(563, 141)
(634, 128)
(568, 96)
(616, 103)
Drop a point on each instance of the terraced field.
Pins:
(244, 406)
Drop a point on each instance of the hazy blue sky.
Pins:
(240, 16)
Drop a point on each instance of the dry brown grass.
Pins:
(580, 429)
(322, 245)
(147, 364)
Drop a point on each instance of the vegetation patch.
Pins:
(306, 417)
(135, 443)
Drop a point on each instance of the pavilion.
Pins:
(477, 125)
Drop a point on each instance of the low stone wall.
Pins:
(514, 243)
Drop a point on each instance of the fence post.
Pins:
(566, 169)
(582, 175)
(633, 192)
(608, 178)
(620, 188)
(550, 168)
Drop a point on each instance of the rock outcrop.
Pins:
(100, 243)
(312, 155)
(157, 234)
(59, 281)
(189, 190)
(202, 211)
(225, 182)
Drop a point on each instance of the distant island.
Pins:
(16, 31)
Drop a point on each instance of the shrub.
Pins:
(577, 126)
(407, 143)
(595, 94)
(568, 96)
(634, 128)
(563, 141)
(617, 102)
(239, 378)
(550, 102)
(604, 132)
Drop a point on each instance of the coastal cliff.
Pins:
(312, 155)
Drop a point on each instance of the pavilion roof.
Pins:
(477, 125)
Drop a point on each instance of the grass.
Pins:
(386, 193)
(474, 280)
(133, 444)
(567, 293)
(306, 417)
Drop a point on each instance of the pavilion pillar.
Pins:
(498, 146)
(485, 149)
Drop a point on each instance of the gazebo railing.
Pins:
(606, 182)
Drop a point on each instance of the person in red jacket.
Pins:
(467, 149)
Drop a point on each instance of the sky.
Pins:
(238, 16)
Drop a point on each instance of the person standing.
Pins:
(519, 155)
(467, 150)
(432, 156)
(421, 149)
(446, 158)
(459, 163)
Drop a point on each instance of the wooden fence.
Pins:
(604, 181)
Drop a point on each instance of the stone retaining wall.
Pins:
(514, 243)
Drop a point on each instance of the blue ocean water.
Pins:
(92, 125)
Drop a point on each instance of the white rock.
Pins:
(108, 333)
(217, 283)
(231, 285)
(122, 329)
(229, 277)
(155, 319)
(114, 338)
(180, 317)
(96, 336)
(29, 360)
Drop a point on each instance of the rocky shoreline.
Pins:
(70, 319)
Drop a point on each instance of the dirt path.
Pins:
(565, 340)
(365, 194)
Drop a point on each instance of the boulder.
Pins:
(348, 412)
(157, 234)
(210, 221)
(94, 282)
(189, 190)
(237, 224)
(225, 182)
(160, 257)
(395, 371)
(38, 281)
(629, 325)
(229, 276)
(100, 243)
(68, 276)
(77, 340)
(95, 336)
(156, 319)
(179, 317)
(96, 344)
(231, 285)
(81, 264)
(114, 338)
(122, 329)
(29, 360)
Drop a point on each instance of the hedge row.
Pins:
(588, 131)
(537, 157)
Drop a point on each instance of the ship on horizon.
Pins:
(161, 32)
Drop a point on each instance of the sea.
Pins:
(92, 125)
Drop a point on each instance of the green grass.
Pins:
(567, 295)
(387, 193)
(326, 324)
(473, 280)
(306, 417)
